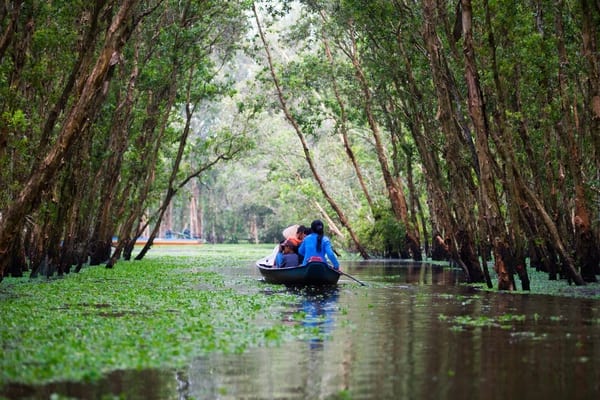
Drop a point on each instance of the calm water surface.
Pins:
(413, 332)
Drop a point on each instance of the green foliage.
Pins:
(157, 313)
(192, 54)
(386, 236)
(15, 121)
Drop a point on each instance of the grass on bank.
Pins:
(160, 312)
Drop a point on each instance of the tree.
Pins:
(79, 113)
(307, 153)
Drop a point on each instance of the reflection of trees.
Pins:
(129, 384)
(409, 272)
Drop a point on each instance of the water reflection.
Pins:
(409, 272)
(413, 332)
(147, 384)
(318, 306)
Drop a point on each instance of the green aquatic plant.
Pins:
(156, 313)
(541, 284)
(478, 321)
(504, 321)
(511, 317)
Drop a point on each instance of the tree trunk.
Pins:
(421, 131)
(531, 208)
(459, 239)
(393, 186)
(489, 204)
(11, 26)
(171, 189)
(343, 123)
(83, 62)
(307, 154)
(586, 250)
(111, 171)
(82, 110)
(589, 32)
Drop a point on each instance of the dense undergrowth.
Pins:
(158, 312)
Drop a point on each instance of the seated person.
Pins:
(301, 233)
(317, 245)
(279, 256)
(289, 256)
(299, 236)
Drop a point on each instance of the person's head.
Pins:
(301, 232)
(288, 247)
(317, 227)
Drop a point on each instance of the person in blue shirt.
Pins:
(317, 245)
(289, 256)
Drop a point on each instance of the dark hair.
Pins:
(317, 227)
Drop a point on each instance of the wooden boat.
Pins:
(313, 273)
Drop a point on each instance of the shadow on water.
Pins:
(414, 332)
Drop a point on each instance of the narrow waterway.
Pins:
(415, 331)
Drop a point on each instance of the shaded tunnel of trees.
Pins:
(456, 130)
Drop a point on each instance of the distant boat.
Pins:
(166, 242)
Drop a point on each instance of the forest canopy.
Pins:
(463, 130)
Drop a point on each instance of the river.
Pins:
(414, 331)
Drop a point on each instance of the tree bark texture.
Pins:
(489, 204)
(82, 110)
(394, 189)
(460, 240)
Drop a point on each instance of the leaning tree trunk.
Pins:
(83, 109)
(589, 32)
(125, 237)
(586, 250)
(421, 131)
(11, 27)
(461, 241)
(489, 205)
(140, 200)
(515, 258)
(307, 154)
(111, 171)
(70, 251)
(74, 81)
(393, 186)
(344, 123)
(171, 189)
(153, 131)
(535, 215)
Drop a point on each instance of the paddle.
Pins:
(351, 277)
